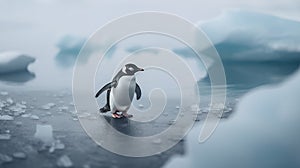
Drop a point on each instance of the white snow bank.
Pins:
(14, 62)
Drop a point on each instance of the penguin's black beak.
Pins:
(141, 69)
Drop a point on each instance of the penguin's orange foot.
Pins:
(116, 115)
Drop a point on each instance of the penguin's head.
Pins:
(131, 69)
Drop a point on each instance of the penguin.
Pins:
(120, 91)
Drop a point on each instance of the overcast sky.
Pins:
(36, 26)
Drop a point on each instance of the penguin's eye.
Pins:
(130, 69)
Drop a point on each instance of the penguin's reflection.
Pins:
(122, 124)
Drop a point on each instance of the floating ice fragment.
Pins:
(6, 118)
(57, 144)
(141, 106)
(18, 109)
(3, 93)
(2, 104)
(9, 100)
(5, 158)
(64, 161)
(21, 105)
(25, 115)
(34, 117)
(177, 107)
(48, 106)
(19, 155)
(5, 136)
(44, 133)
(63, 108)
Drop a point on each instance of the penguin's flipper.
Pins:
(106, 87)
(138, 91)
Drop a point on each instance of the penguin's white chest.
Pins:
(122, 95)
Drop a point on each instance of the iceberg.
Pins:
(69, 47)
(241, 35)
(11, 62)
(255, 48)
(14, 67)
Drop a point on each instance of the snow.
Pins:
(14, 62)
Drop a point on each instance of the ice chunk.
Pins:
(63, 108)
(239, 40)
(141, 106)
(5, 136)
(9, 100)
(18, 109)
(177, 107)
(48, 106)
(19, 155)
(2, 104)
(5, 158)
(57, 144)
(44, 133)
(69, 47)
(25, 115)
(14, 62)
(6, 118)
(34, 117)
(3, 93)
(64, 161)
